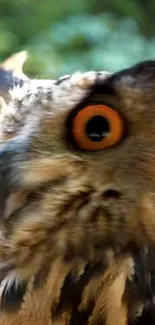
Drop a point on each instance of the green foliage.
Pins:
(64, 36)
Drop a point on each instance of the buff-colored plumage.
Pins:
(77, 229)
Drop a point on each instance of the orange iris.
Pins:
(97, 127)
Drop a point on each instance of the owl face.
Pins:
(77, 175)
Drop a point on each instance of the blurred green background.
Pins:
(63, 36)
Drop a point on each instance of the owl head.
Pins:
(77, 175)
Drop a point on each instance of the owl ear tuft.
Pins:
(15, 62)
(11, 74)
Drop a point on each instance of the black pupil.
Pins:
(97, 128)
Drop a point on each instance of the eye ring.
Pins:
(97, 127)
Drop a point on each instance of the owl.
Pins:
(77, 200)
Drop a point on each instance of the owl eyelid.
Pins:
(96, 127)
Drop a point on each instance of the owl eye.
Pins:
(97, 127)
